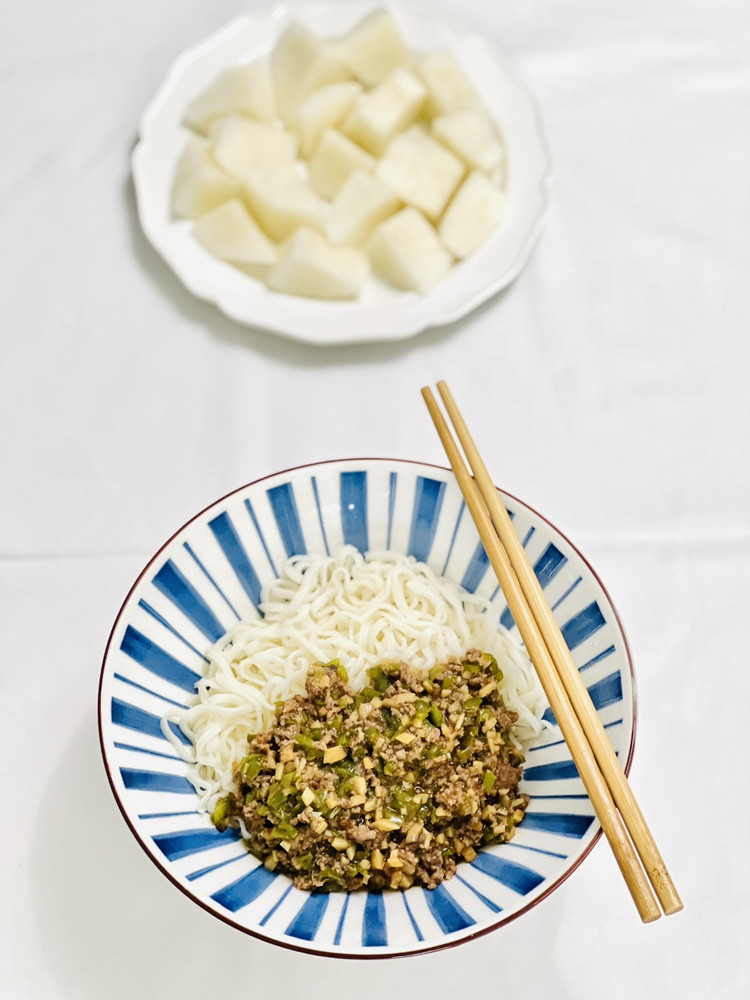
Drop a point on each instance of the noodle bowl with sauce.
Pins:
(238, 580)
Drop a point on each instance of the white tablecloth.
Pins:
(608, 387)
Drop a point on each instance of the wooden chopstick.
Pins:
(596, 787)
(614, 775)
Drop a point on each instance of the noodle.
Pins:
(362, 610)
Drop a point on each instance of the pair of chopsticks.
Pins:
(615, 805)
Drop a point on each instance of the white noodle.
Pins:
(362, 610)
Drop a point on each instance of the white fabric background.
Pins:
(608, 387)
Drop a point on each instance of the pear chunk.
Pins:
(362, 203)
(326, 157)
(300, 63)
(232, 234)
(335, 158)
(311, 267)
(285, 201)
(243, 90)
(322, 109)
(200, 185)
(244, 147)
(385, 110)
(421, 171)
(471, 135)
(476, 210)
(448, 88)
(406, 252)
(373, 48)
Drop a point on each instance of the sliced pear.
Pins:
(448, 87)
(362, 203)
(471, 135)
(302, 62)
(406, 252)
(200, 184)
(285, 201)
(373, 48)
(476, 210)
(322, 109)
(311, 267)
(385, 110)
(335, 158)
(232, 234)
(244, 147)
(421, 171)
(244, 90)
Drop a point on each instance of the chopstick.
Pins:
(597, 764)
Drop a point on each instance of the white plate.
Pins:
(380, 313)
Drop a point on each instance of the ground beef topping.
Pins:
(384, 788)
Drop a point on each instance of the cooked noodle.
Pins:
(362, 610)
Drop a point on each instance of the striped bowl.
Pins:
(210, 573)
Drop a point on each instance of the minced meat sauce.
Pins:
(384, 788)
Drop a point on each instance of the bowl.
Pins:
(381, 313)
(210, 572)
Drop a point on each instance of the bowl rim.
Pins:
(341, 954)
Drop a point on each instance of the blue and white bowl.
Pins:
(210, 573)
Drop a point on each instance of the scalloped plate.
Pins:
(381, 313)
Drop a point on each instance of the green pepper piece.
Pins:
(400, 799)
(275, 797)
(251, 767)
(308, 745)
(421, 709)
(488, 781)
(378, 678)
(436, 715)
(372, 734)
(283, 831)
(220, 811)
(391, 720)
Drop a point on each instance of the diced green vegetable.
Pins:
(221, 809)
(421, 709)
(251, 766)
